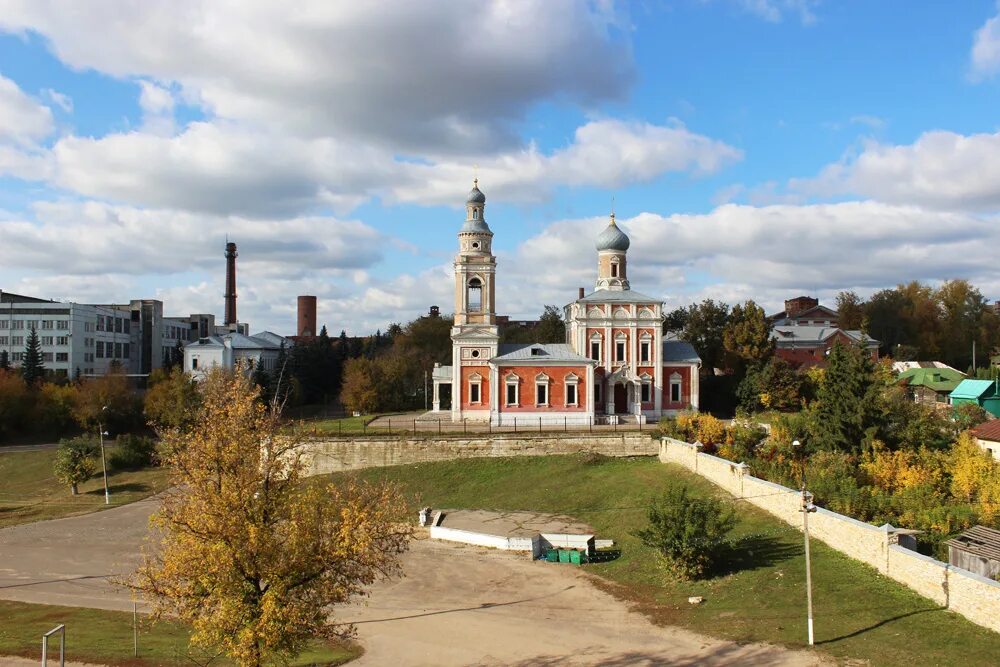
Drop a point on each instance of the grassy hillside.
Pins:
(758, 596)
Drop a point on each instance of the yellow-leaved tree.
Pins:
(250, 553)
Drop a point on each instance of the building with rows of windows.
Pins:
(616, 363)
(88, 339)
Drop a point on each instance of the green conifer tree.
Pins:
(847, 406)
(32, 368)
(4, 361)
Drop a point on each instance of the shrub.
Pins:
(687, 532)
(133, 452)
(76, 461)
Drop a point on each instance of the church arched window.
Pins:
(475, 295)
(475, 214)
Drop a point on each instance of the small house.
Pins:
(930, 386)
(976, 550)
(988, 437)
(980, 392)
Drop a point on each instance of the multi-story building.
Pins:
(615, 363)
(76, 339)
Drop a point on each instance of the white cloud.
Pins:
(408, 74)
(157, 104)
(985, 55)
(774, 11)
(23, 121)
(95, 238)
(64, 102)
(940, 169)
(231, 169)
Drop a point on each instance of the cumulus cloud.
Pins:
(96, 238)
(985, 57)
(228, 168)
(736, 252)
(415, 75)
(604, 153)
(22, 119)
(940, 169)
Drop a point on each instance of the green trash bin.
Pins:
(552, 556)
(575, 557)
(564, 555)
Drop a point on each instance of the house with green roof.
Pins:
(930, 386)
(981, 392)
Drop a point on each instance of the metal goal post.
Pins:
(61, 629)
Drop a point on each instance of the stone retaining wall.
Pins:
(339, 454)
(969, 594)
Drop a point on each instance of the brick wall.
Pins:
(975, 597)
(338, 454)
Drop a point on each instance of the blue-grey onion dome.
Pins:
(476, 195)
(612, 238)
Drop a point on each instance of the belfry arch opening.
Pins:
(474, 297)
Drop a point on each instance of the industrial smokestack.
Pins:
(307, 316)
(231, 284)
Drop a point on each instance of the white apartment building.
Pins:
(86, 339)
(76, 339)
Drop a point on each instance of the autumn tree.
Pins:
(15, 403)
(704, 329)
(75, 462)
(107, 401)
(251, 555)
(359, 392)
(747, 336)
(172, 399)
(851, 311)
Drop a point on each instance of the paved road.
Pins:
(28, 448)
(458, 605)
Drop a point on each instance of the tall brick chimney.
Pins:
(231, 284)
(582, 293)
(307, 317)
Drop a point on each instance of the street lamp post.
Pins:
(807, 509)
(104, 461)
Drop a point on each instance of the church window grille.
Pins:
(644, 349)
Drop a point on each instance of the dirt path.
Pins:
(463, 605)
(458, 605)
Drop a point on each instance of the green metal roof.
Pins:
(937, 379)
(974, 389)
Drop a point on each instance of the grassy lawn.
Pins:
(30, 492)
(336, 426)
(105, 637)
(760, 595)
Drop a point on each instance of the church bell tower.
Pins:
(475, 266)
(475, 338)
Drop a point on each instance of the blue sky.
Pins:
(754, 149)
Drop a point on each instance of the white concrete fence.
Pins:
(964, 592)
